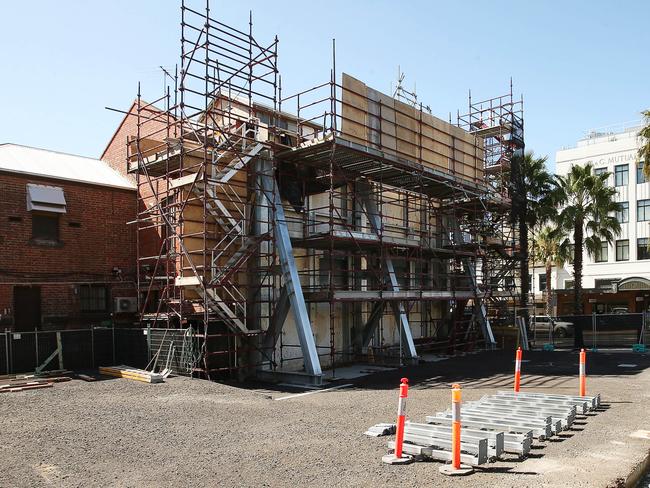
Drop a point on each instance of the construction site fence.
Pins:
(82, 349)
(594, 331)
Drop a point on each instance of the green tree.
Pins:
(551, 248)
(587, 205)
(531, 192)
(644, 150)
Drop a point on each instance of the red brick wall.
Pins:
(115, 155)
(153, 126)
(86, 254)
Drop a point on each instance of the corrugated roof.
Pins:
(52, 164)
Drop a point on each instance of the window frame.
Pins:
(624, 212)
(96, 300)
(645, 205)
(598, 258)
(598, 283)
(600, 171)
(644, 247)
(624, 170)
(542, 277)
(640, 177)
(619, 245)
(38, 235)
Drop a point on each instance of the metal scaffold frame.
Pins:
(256, 210)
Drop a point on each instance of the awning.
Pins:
(635, 283)
(45, 198)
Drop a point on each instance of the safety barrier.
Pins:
(518, 369)
(477, 432)
(78, 349)
(590, 331)
(583, 373)
(397, 457)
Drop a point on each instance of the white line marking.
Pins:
(300, 387)
(312, 392)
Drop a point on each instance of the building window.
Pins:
(600, 171)
(642, 210)
(45, 227)
(605, 284)
(621, 173)
(602, 255)
(542, 282)
(92, 298)
(623, 215)
(568, 284)
(642, 251)
(640, 176)
(623, 250)
(571, 248)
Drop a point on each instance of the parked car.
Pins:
(540, 325)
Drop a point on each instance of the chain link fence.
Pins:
(590, 331)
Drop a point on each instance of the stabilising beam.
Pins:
(290, 271)
(400, 311)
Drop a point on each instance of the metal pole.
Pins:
(148, 342)
(92, 345)
(113, 339)
(36, 345)
(7, 349)
(10, 349)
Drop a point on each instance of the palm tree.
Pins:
(551, 249)
(587, 205)
(644, 150)
(531, 190)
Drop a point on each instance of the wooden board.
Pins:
(377, 120)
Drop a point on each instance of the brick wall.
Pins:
(94, 238)
(153, 127)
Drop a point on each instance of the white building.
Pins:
(627, 257)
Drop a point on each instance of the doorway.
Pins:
(27, 308)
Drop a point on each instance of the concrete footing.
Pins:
(448, 470)
(392, 459)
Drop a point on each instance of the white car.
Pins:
(540, 325)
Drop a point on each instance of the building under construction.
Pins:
(289, 233)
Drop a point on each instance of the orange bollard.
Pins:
(398, 457)
(518, 370)
(583, 374)
(401, 416)
(456, 467)
(455, 425)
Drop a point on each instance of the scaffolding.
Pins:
(337, 224)
(499, 123)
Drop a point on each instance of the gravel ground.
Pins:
(194, 433)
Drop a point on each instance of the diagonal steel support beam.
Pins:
(479, 304)
(277, 320)
(290, 271)
(375, 222)
(371, 324)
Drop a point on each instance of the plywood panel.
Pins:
(406, 132)
(354, 110)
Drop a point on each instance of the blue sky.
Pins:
(579, 64)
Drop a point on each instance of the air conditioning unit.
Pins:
(125, 305)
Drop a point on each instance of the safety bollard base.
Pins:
(392, 459)
(449, 470)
